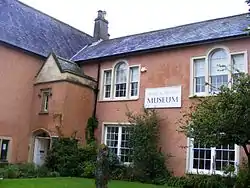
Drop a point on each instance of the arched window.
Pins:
(218, 69)
(210, 72)
(121, 82)
(121, 72)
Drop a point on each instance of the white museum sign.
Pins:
(163, 97)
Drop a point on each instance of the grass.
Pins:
(67, 183)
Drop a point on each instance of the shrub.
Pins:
(11, 171)
(24, 170)
(242, 176)
(68, 158)
(43, 171)
(27, 170)
(201, 181)
(148, 162)
(53, 174)
(88, 169)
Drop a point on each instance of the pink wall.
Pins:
(167, 68)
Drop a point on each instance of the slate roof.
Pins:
(172, 37)
(34, 31)
(68, 66)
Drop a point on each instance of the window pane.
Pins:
(107, 83)
(199, 84)
(45, 100)
(199, 75)
(134, 89)
(121, 80)
(134, 74)
(218, 81)
(225, 155)
(121, 73)
(120, 90)
(4, 150)
(218, 62)
(112, 138)
(134, 78)
(199, 67)
(107, 91)
(201, 157)
(107, 77)
(125, 150)
(238, 62)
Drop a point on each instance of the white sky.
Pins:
(136, 16)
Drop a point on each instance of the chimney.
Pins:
(101, 26)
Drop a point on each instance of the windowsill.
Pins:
(202, 95)
(4, 161)
(197, 96)
(208, 173)
(119, 99)
(43, 113)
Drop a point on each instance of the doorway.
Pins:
(41, 141)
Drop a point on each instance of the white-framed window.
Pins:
(4, 149)
(211, 160)
(121, 78)
(209, 73)
(116, 138)
(46, 93)
(107, 84)
(121, 82)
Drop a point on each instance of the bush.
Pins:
(242, 179)
(53, 174)
(11, 171)
(88, 169)
(68, 158)
(24, 170)
(43, 171)
(148, 162)
(201, 181)
(27, 170)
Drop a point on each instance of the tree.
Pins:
(224, 118)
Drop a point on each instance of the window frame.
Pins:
(207, 69)
(192, 77)
(104, 135)
(114, 81)
(8, 157)
(189, 160)
(128, 83)
(104, 89)
(43, 91)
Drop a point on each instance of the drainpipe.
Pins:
(97, 90)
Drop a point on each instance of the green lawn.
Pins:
(67, 183)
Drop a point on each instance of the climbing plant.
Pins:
(92, 124)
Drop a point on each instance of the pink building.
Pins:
(50, 73)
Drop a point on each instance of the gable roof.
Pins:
(36, 32)
(65, 66)
(215, 29)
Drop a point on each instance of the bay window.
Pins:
(210, 72)
(121, 82)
